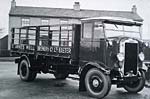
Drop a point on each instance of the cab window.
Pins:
(98, 30)
(87, 30)
(93, 30)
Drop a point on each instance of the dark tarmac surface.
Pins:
(46, 87)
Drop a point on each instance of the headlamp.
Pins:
(120, 56)
(141, 56)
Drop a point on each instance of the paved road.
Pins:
(46, 87)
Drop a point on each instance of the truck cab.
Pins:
(114, 47)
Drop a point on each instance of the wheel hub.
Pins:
(95, 83)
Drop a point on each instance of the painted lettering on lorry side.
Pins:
(54, 49)
(51, 49)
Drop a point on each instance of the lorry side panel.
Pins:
(43, 40)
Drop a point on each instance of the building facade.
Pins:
(32, 16)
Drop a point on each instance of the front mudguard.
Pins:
(84, 70)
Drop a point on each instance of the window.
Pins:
(64, 21)
(87, 30)
(44, 22)
(44, 36)
(16, 36)
(98, 30)
(66, 38)
(25, 22)
(55, 38)
(32, 35)
(113, 30)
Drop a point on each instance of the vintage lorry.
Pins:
(101, 50)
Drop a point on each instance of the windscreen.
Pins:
(113, 30)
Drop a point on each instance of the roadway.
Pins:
(47, 87)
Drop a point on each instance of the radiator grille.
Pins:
(131, 58)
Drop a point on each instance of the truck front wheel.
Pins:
(97, 83)
(136, 86)
(26, 74)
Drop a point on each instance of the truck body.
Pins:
(45, 46)
(102, 51)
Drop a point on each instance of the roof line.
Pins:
(45, 16)
(73, 9)
(68, 13)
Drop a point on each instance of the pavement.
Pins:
(7, 59)
(45, 86)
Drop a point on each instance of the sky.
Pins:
(143, 9)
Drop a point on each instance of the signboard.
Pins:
(54, 49)
(51, 49)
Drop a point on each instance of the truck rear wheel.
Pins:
(97, 83)
(136, 86)
(26, 74)
(61, 75)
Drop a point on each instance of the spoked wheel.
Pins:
(61, 75)
(136, 86)
(97, 83)
(25, 73)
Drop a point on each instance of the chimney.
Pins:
(76, 6)
(134, 9)
(13, 4)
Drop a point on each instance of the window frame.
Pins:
(83, 30)
(45, 22)
(66, 21)
(103, 29)
(24, 22)
(123, 31)
(92, 35)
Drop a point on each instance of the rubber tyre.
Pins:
(61, 76)
(135, 87)
(103, 87)
(26, 74)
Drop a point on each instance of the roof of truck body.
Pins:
(116, 20)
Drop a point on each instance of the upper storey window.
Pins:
(25, 22)
(44, 22)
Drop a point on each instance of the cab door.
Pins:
(92, 45)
